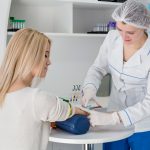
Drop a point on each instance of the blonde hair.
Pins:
(25, 50)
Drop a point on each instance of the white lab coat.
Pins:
(130, 91)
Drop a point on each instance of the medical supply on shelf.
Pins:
(15, 24)
(10, 25)
(103, 28)
(111, 25)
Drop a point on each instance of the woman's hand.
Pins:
(81, 111)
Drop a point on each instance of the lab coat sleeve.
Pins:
(100, 66)
(137, 112)
(50, 108)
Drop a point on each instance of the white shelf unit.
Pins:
(68, 35)
(62, 16)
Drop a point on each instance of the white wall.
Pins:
(71, 57)
(4, 14)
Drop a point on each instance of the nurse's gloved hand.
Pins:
(101, 118)
(88, 94)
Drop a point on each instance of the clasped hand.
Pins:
(98, 118)
(101, 118)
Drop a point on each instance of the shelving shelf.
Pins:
(92, 3)
(68, 34)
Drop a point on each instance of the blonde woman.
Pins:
(25, 112)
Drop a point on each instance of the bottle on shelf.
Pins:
(103, 28)
(15, 25)
(111, 25)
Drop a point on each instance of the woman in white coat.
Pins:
(125, 54)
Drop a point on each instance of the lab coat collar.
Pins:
(145, 50)
(116, 55)
(135, 60)
(140, 55)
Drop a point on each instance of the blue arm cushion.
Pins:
(77, 124)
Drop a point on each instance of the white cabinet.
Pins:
(62, 16)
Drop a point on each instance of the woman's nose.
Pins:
(124, 36)
(48, 62)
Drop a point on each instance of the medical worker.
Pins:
(125, 54)
(26, 112)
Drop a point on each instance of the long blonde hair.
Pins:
(24, 51)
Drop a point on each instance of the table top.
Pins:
(95, 135)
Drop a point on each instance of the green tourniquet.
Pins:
(64, 99)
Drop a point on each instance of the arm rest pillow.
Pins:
(77, 124)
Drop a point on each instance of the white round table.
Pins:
(95, 135)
